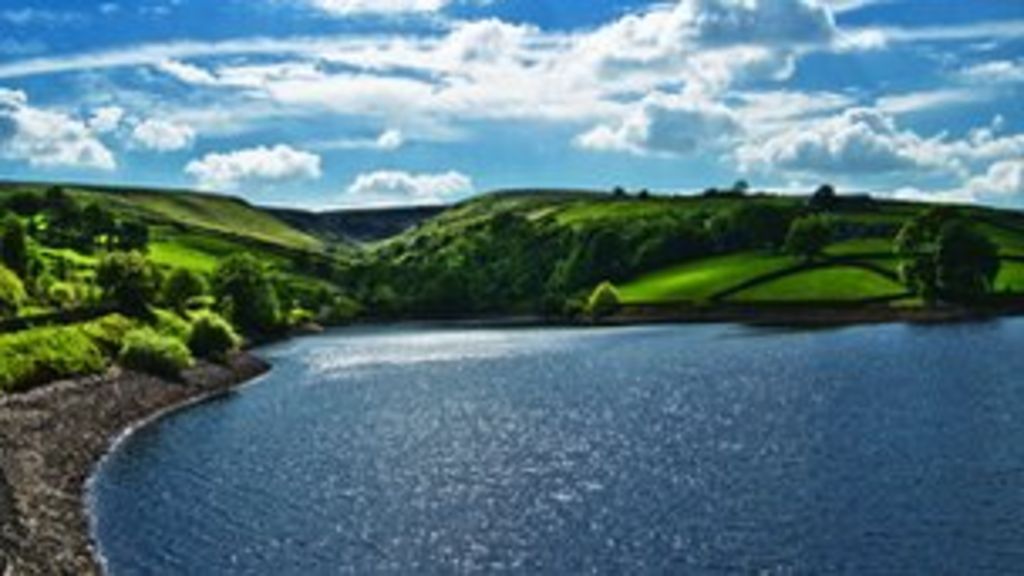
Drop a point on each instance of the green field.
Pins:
(832, 284)
(701, 280)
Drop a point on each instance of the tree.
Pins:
(212, 337)
(12, 293)
(604, 300)
(741, 187)
(759, 225)
(98, 223)
(14, 246)
(132, 235)
(944, 258)
(244, 290)
(128, 280)
(182, 286)
(808, 237)
(967, 262)
(824, 198)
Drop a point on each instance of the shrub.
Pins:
(12, 292)
(148, 351)
(244, 290)
(342, 310)
(34, 357)
(108, 332)
(170, 324)
(299, 316)
(128, 280)
(181, 287)
(212, 336)
(604, 300)
(808, 236)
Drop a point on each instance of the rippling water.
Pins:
(667, 450)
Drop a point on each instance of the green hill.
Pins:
(526, 251)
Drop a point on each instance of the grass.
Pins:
(860, 246)
(832, 284)
(702, 279)
(33, 357)
(1011, 277)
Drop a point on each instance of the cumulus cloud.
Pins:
(389, 187)
(163, 136)
(254, 167)
(758, 21)
(1004, 180)
(857, 141)
(46, 138)
(666, 124)
(106, 119)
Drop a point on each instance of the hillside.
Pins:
(523, 251)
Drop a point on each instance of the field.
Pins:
(702, 280)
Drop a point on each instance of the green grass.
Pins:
(832, 284)
(34, 357)
(702, 279)
(860, 246)
(1011, 277)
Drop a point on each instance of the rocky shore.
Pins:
(52, 437)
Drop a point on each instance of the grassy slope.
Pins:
(832, 284)
(701, 280)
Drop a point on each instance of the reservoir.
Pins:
(713, 449)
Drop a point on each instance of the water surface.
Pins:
(664, 450)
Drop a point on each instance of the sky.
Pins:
(352, 103)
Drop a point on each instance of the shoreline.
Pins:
(52, 439)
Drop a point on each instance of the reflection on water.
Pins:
(880, 450)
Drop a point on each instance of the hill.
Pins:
(527, 251)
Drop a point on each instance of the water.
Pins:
(664, 450)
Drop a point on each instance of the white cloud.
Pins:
(771, 22)
(46, 138)
(861, 141)
(352, 7)
(254, 167)
(1004, 179)
(665, 124)
(996, 72)
(106, 119)
(39, 16)
(403, 188)
(187, 73)
(388, 140)
(930, 99)
(163, 136)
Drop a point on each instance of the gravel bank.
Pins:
(50, 440)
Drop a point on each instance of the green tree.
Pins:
(808, 237)
(132, 235)
(181, 286)
(128, 280)
(760, 225)
(12, 293)
(245, 291)
(604, 300)
(824, 198)
(212, 336)
(944, 258)
(14, 246)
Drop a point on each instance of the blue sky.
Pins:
(327, 103)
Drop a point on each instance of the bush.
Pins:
(244, 290)
(808, 236)
(603, 301)
(181, 287)
(170, 324)
(299, 317)
(128, 280)
(34, 357)
(12, 293)
(148, 351)
(108, 332)
(212, 336)
(342, 310)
